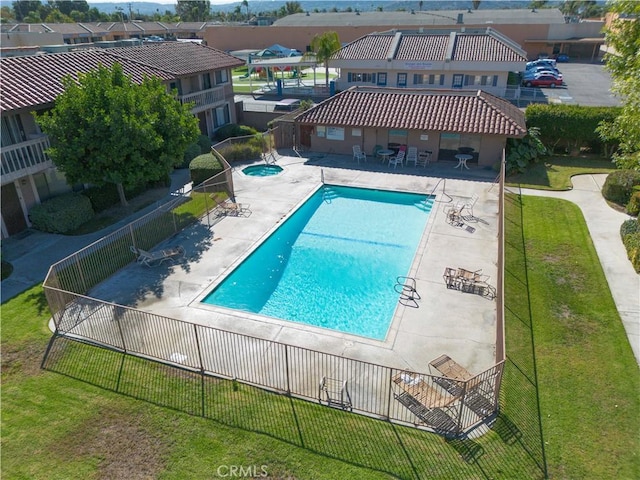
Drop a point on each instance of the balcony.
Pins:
(25, 158)
(204, 99)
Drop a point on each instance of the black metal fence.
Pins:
(441, 404)
(417, 398)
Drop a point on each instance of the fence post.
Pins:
(202, 385)
(462, 399)
(390, 388)
(286, 361)
(116, 314)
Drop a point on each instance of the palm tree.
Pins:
(245, 3)
(324, 46)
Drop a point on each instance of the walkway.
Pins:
(604, 227)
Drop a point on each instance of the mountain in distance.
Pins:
(149, 8)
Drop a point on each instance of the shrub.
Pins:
(242, 151)
(203, 167)
(618, 186)
(629, 227)
(234, 130)
(62, 214)
(521, 152)
(192, 151)
(633, 207)
(205, 144)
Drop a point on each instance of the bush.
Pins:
(106, 196)
(192, 151)
(630, 233)
(203, 167)
(629, 227)
(618, 186)
(62, 214)
(633, 207)
(234, 130)
(242, 151)
(205, 144)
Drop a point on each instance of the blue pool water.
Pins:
(333, 263)
(262, 170)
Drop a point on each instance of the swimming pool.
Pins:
(333, 263)
(262, 170)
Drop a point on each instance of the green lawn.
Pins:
(96, 414)
(555, 173)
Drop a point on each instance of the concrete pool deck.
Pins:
(461, 325)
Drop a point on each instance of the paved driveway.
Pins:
(587, 84)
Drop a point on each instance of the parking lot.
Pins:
(586, 84)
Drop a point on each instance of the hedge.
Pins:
(630, 233)
(203, 167)
(570, 127)
(618, 187)
(62, 214)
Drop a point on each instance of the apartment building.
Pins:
(201, 75)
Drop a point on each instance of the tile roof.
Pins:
(34, 80)
(179, 58)
(466, 47)
(436, 110)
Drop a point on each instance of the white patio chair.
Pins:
(412, 156)
(358, 154)
(397, 160)
(469, 205)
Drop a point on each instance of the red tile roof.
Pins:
(436, 110)
(179, 58)
(466, 47)
(35, 80)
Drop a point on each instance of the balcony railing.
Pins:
(204, 98)
(25, 158)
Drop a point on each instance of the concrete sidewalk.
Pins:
(604, 227)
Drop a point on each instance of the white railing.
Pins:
(204, 98)
(25, 158)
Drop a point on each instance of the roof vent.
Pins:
(460, 18)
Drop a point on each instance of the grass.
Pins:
(555, 173)
(97, 414)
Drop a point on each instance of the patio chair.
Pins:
(358, 154)
(376, 149)
(424, 158)
(412, 156)
(151, 259)
(469, 205)
(397, 160)
(231, 208)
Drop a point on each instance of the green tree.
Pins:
(23, 8)
(475, 4)
(67, 6)
(245, 4)
(624, 64)
(106, 129)
(193, 10)
(324, 46)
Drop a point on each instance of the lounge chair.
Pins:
(358, 154)
(469, 205)
(151, 259)
(231, 208)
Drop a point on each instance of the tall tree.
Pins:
(324, 46)
(193, 10)
(245, 4)
(106, 129)
(67, 6)
(23, 8)
(624, 64)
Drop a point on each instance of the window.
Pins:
(176, 86)
(12, 130)
(335, 133)
(402, 79)
(221, 116)
(222, 76)
(428, 79)
(382, 78)
(356, 132)
(361, 77)
(458, 78)
(206, 81)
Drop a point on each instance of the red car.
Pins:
(543, 80)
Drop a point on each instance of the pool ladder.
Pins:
(406, 287)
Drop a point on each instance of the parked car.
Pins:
(287, 105)
(543, 80)
(154, 38)
(542, 69)
(547, 62)
(562, 58)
